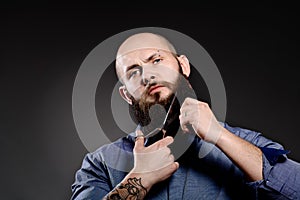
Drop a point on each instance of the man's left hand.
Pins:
(201, 118)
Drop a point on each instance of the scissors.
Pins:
(162, 126)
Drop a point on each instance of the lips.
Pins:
(154, 89)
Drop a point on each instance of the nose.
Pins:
(148, 75)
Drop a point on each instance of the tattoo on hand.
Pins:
(133, 189)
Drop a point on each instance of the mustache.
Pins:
(156, 83)
(147, 99)
(149, 87)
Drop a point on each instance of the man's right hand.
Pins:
(154, 163)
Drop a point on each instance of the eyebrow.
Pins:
(145, 60)
(131, 67)
(151, 57)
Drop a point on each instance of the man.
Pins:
(236, 164)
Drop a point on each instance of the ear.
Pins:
(125, 94)
(185, 65)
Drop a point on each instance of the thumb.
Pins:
(139, 139)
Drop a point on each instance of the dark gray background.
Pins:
(256, 49)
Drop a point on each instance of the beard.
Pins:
(150, 111)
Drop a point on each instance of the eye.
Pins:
(134, 72)
(156, 61)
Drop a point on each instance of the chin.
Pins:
(164, 96)
(160, 97)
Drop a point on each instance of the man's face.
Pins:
(149, 75)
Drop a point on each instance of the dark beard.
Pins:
(151, 115)
(150, 107)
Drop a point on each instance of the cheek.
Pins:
(170, 73)
(135, 91)
(172, 78)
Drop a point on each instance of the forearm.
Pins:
(245, 155)
(133, 186)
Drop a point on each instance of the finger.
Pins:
(176, 165)
(186, 122)
(171, 157)
(168, 170)
(161, 143)
(189, 101)
(139, 133)
(173, 167)
(163, 151)
(187, 109)
(187, 106)
(190, 112)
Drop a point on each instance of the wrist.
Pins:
(144, 181)
(214, 133)
(222, 136)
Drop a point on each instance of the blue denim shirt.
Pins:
(212, 176)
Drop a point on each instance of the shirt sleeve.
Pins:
(91, 180)
(281, 175)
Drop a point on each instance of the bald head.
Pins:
(141, 41)
(145, 41)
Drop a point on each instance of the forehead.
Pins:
(137, 56)
(140, 54)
